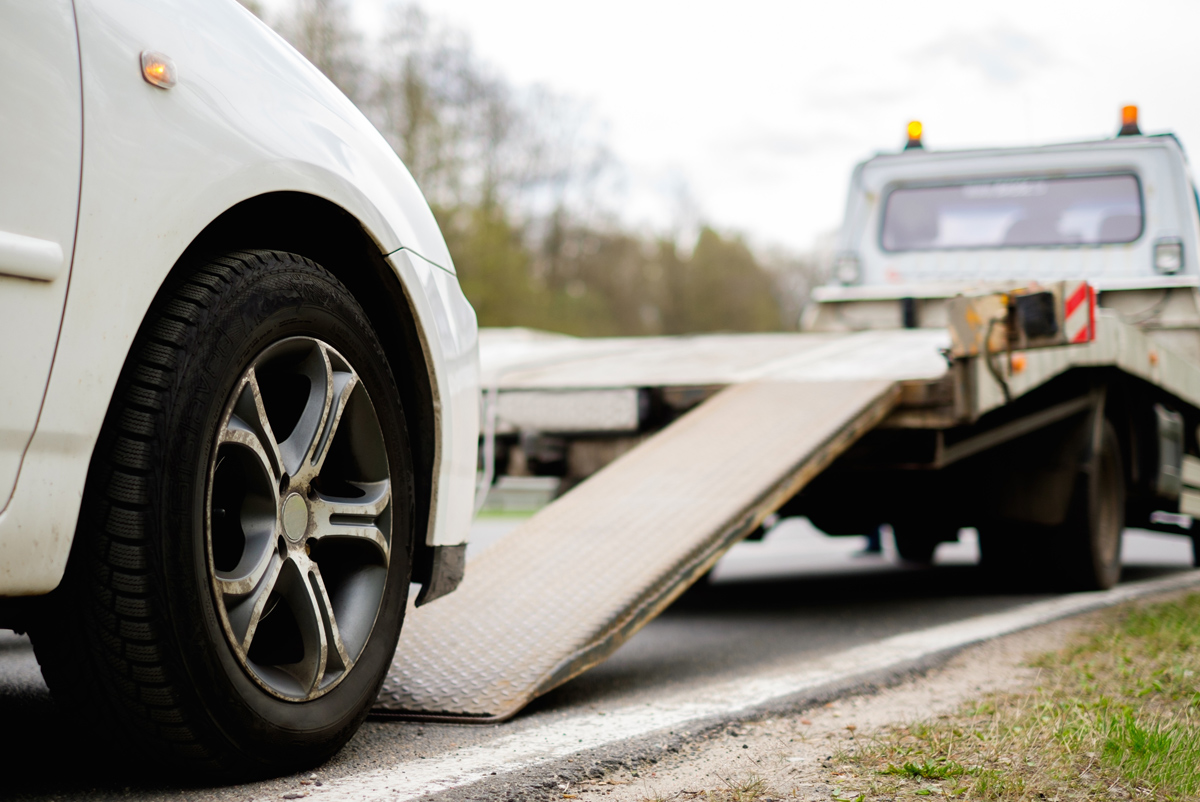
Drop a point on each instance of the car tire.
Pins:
(167, 633)
(1087, 553)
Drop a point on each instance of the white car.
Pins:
(239, 401)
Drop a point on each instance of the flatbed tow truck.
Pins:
(1011, 343)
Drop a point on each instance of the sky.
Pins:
(750, 114)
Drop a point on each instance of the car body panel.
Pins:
(248, 116)
(41, 141)
(442, 308)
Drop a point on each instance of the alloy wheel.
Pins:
(298, 521)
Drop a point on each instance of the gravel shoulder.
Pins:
(797, 755)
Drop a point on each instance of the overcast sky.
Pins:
(761, 109)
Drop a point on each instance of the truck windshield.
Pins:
(1084, 210)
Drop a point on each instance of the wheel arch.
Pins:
(320, 230)
(1131, 409)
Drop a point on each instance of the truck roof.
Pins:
(1160, 140)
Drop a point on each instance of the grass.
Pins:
(750, 787)
(1116, 715)
(941, 769)
(505, 515)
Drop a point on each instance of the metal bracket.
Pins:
(949, 454)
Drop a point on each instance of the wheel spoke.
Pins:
(336, 657)
(248, 427)
(356, 518)
(316, 619)
(240, 583)
(296, 447)
(343, 385)
(244, 614)
(306, 447)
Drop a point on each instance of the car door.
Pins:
(41, 145)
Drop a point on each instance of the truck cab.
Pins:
(961, 241)
(923, 226)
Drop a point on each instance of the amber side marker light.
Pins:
(1129, 122)
(914, 136)
(158, 69)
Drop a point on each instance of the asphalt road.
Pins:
(794, 595)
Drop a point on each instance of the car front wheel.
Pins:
(240, 570)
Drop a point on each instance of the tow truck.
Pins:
(1010, 342)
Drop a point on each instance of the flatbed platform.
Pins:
(523, 359)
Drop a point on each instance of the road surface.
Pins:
(796, 595)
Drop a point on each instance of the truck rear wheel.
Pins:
(1006, 554)
(916, 543)
(1088, 544)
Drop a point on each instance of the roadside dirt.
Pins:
(797, 756)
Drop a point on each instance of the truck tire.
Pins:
(1087, 547)
(239, 574)
(1007, 554)
(917, 543)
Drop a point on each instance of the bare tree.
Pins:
(254, 7)
(513, 175)
(795, 276)
(323, 32)
(468, 135)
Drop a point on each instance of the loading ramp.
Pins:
(561, 592)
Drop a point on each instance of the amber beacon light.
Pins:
(1129, 121)
(914, 136)
(158, 69)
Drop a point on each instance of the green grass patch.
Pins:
(505, 515)
(1115, 714)
(938, 769)
(1156, 754)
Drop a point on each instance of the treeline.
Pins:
(514, 176)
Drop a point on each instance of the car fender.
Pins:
(248, 116)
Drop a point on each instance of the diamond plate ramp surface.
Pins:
(562, 591)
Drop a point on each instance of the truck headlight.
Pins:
(1168, 255)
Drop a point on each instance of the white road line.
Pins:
(585, 731)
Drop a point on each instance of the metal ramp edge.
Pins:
(564, 590)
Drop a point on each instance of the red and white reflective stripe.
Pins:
(1080, 313)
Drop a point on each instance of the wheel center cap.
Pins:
(295, 517)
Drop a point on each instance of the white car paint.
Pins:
(41, 140)
(248, 116)
(1158, 162)
(458, 381)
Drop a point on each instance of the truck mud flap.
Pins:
(564, 590)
